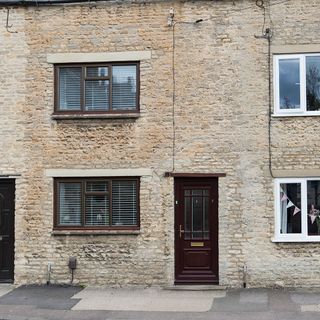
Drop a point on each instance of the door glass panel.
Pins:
(197, 192)
(205, 215)
(2, 218)
(196, 214)
(187, 201)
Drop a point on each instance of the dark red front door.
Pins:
(7, 190)
(196, 230)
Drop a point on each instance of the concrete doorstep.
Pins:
(5, 288)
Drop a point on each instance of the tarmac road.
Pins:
(68, 302)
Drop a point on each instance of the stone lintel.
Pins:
(138, 172)
(193, 175)
(98, 57)
(296, 173)
(296, 48)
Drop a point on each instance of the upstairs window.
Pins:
(297, 84)
(96, 203)
(96, 88)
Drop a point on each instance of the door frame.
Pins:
(198, 179)
(12, 183)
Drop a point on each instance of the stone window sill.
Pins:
(95, 116)
(94, 232)
(292, 115)
(297, 240)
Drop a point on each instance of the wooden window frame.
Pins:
(83, 181)
(302, 111)
(83, 66)
(293, 237)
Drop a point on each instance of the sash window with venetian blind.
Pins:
(96, 88)
(97, 203)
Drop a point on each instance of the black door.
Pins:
(196, 230)
(7, 189)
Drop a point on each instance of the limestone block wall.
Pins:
(13, 63)
(221, 125)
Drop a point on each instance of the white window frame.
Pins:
(303, 98)
(293, 237)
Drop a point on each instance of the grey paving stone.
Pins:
(242, 301)
(254, 296)
(280, 301)
(305, 298)
(46, 297)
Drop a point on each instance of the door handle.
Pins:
(181, 231)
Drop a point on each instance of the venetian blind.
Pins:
(97, 204)
(124, 87)
(70, 203)
(97, 95)
(69, 88)
(124, 203)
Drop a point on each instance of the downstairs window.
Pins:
(298, 209)
(97, 203)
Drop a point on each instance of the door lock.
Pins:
(181, 231)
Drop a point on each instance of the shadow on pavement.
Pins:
(42, 296)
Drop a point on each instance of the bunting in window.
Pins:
(314, 214)
(289, 203)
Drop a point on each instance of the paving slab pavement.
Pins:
(74, 303)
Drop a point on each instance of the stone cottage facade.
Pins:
(160, 142)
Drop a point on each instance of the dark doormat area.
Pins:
(52, 297)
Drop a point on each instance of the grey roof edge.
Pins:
(25, 3)
(42, 2)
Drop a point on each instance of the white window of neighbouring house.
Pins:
(96, 203)
(97, 88)
(297, 84)
(297, 203)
